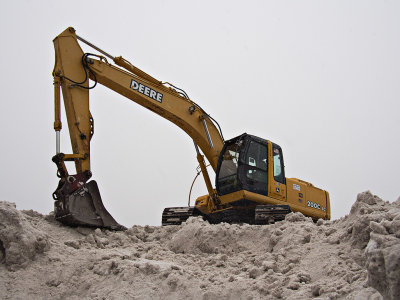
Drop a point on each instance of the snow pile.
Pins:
(383, 252)
(355, 257)
(19, 240)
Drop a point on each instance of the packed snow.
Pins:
(355, 257)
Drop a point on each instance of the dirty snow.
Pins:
(355, 257)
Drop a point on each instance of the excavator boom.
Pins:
(78, 201)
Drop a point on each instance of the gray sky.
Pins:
(319, 78)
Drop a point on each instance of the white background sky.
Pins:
(319, 78)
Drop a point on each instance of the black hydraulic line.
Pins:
(191, 187)
(184, 94)
(219, 128)
(87, 69)
(194, 180)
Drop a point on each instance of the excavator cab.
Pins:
(243, 165)
(248, 169)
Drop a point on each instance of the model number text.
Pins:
(315, 205)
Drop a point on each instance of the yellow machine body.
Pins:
(299, 195)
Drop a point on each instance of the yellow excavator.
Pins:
(250, 182)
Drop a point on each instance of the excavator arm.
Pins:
(77, 201)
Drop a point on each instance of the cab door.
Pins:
(277, 186)
(254, 167)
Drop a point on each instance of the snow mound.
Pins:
(19, 241)
(197, 236)
(355, 257)
(383, 250)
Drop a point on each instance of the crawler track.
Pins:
(268, 214)
(262, 214)
(177, 215)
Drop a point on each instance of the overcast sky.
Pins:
(319, 78)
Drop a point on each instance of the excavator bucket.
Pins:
(79, 204)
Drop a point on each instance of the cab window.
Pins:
(227, 180)
(279, 175)
(255, 168)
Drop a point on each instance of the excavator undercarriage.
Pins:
(258, 215)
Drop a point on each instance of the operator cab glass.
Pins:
(279, 174)
(243, 165)
(227, 179)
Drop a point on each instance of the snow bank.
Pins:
(20, 242)
(355, 257)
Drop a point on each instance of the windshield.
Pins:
(227, 176)
(243, 165)
(255, 169)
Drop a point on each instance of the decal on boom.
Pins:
(145, 90)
